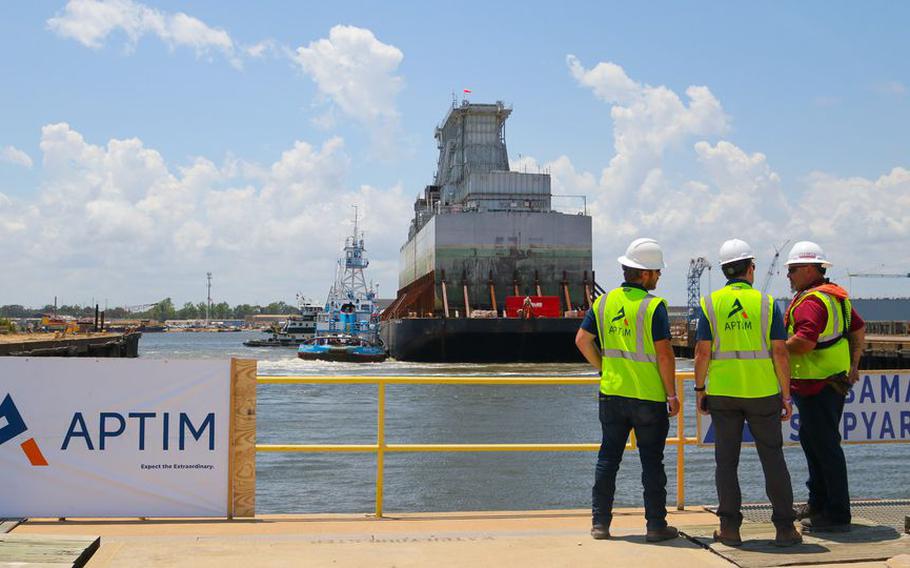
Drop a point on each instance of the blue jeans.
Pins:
(819, 435)
(651, 423)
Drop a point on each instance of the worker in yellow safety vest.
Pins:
(625, 336)
(741, 352)
(826, 342)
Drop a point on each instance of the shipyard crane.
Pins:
(773, 267)
(853, 275)
(140, 307)
(878, 275)
(696, 267)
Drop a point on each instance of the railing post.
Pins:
(242, 448)
(681, 447)
(380, 446)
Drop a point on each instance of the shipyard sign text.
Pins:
(113, 437)
(877, 409)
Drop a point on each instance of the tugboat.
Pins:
(347, 330)
(296, 330)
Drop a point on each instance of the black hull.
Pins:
(342, 357)
(274, 342)
(500, 340)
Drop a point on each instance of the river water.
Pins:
(346, 414)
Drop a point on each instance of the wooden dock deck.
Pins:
(26, 551)
(77, 345)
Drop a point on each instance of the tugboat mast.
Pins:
(350, 283)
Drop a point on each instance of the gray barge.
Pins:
(481, 238)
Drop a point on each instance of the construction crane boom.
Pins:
(877, 275)
(140, 307)
(773, 267)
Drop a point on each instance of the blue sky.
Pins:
(803, 126)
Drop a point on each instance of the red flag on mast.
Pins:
(467, 91)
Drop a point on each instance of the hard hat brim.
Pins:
(824, 263)
(626, 261)
(732, 260)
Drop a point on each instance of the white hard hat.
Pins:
(733, 250)
(807, 252)
(644, 254)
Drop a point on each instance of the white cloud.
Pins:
(13, 155)
(90, 22)
(569, 186)
(635, 194)
(895, 88)
(860, 222)
(263, 48)
(870, 218)
(357, 72)
(10, 219)
(745, 184)
(646, 120)
(121, 220)
(719, 190)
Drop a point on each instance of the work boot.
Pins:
(600, 532)
(787, 536)
(729, 536)
(804, 511)
(821, 523)
(657, 535)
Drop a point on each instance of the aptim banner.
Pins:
(877, 409)
(113, 437)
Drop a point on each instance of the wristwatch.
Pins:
(699, 389)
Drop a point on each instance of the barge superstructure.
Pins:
(481, 237)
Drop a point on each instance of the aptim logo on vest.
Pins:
(614, 328)
(737, 324)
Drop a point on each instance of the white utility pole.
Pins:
(208, 301)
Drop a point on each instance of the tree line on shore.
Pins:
(163, 310)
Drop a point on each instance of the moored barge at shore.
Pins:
(100, 344)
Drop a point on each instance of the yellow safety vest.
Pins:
(628, 359)
(740, 320)
(834, 355)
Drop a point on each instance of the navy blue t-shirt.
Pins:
(660, 323)
(778, 331)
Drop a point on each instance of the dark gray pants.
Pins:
(763, 415)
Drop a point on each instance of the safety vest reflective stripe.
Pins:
(620, 354)
(741, 365)
(601, 320)
(762, 353)
(832, 355)
(834, 310)
(639, 353)
(628, 355)
(741, 355)
(640, 324)
(712, 319)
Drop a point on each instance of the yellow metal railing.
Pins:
(380, 448)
